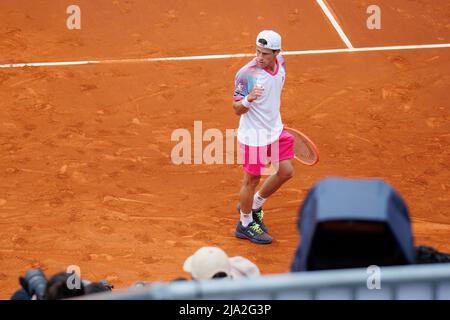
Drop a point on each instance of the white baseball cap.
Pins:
(269, 39)
(208, 261)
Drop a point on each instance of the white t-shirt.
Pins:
(262, 124)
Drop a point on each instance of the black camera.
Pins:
(105, 284)
(34, 283)
(96, 287)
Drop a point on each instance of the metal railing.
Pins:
(416, 282)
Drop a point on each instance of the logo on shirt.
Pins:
(240, 90)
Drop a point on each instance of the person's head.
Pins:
(57, 287)
(268, 46)
(208, 263)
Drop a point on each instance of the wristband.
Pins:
(246, 103)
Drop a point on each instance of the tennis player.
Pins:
(262, 140)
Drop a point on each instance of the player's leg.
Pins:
(282, 153)
(247, 227)
(246, 203)
(247, 192)
(274, 182)
(270, 186)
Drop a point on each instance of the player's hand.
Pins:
(255, 94)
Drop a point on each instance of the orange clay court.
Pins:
(86, 176)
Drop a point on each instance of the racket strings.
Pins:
(303, 149)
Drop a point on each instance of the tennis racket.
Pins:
(305, 150)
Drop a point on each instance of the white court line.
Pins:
(47, 64)
(224, 56)
(335, 24)
(368, 49)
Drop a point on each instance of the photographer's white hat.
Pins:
(269, 39)
(208, 261)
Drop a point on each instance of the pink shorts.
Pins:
(257, 158)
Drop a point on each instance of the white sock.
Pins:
(246, 219)
(258, 201)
